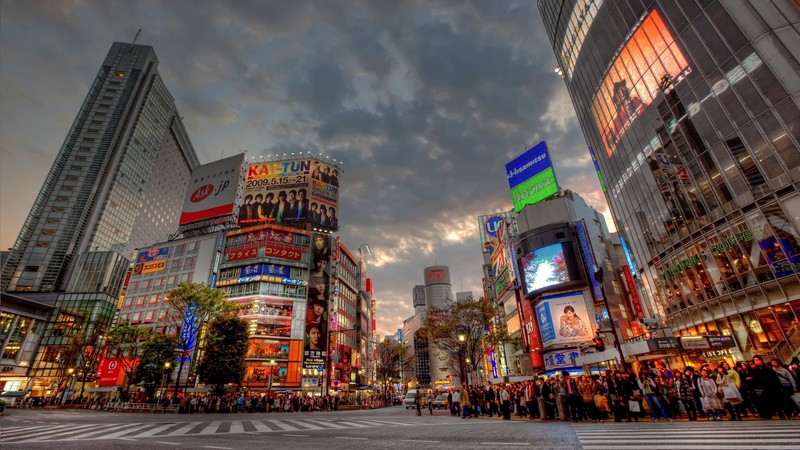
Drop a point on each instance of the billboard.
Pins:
(545, 267)
(212, 190)
(647, 59)
(588, 259)
(153, 260)
(302, 190)
(319, 292)
(531, 177)
(110, 372)
(563, 319)
(488, 225)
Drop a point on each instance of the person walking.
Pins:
(418, 403)
(505, 401)
(684, 389)
(710, 395)
(464, 400)
(731, 398)
(649, 388)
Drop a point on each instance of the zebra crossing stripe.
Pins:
(128, 429)
(46, 432)
(307, 424)
(156, 430)
(352, 424)
(329, 424)
(283, 425)
(211, 428)
(261, 426)
(237, 427)
(182, 430)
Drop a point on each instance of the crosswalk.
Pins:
(64, 432)
(756, 434)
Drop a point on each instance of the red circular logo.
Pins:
(202, 193)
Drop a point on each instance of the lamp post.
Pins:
(599, 277)
(269, 383)
(462, 338)
(167, 366)
(70, 382)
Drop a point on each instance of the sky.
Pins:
(422, 102)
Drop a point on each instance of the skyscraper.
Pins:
(117, 183)
(690, 109)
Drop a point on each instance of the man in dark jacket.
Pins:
(765, 388)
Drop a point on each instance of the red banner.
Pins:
(636, 303)
(240, 253)
(111, 373)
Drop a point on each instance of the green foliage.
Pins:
(192, 305)
(225, 351)
(125, 341)
(156, 351)
(462, 333)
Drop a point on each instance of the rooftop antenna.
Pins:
(135, 38)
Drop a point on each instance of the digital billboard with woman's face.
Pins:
(648, 58)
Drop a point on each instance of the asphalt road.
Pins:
(387, 428)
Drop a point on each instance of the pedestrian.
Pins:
(730, 394)
(464, 400)
(649, 388)
(712, 403)
(765, 387)
(418, 403)
(505, 402)
(684, 390)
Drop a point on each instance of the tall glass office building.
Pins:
(117, 184)
(690, 109)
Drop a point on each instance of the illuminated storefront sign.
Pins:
(726, 245)
(588, 259)
(634, 78)
(487, 228)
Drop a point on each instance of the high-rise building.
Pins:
(690, 109)
(418, 296)
(438, 288)
(117, 184)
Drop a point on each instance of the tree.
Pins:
(224, 353)
(156, 351)
(393, 358)
(80, 356)
(192, 305)
(125, 342)
(462, 334)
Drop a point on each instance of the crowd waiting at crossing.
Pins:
(711, 392)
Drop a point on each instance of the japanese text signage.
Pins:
(531, 177)
(152, 260)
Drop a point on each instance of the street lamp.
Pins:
(271, 369)
(462, 338)
(167, 366)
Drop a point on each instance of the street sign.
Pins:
(320, 367)
(597, 318)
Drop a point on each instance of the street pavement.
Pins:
(387, 428)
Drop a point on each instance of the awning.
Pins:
(364, 388)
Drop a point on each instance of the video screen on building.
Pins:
(649, 58)
(546, 267)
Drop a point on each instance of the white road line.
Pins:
(283, 426)
(417, 440)
(507, 443)
(182, 430)
(352, 438)
(236, 427)
(296, 435)
(156, 430)
(329, 424)
(221, 448)
(306, 424)
(50, 430)
(168, 443)
(211, 428)
(261, 426)
(402, 424)
(112, 435)
(353, 424)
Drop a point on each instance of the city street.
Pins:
(388, 428)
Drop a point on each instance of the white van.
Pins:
(411, 395)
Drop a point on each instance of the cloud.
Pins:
(423, 102)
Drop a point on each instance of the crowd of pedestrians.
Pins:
(711, 392)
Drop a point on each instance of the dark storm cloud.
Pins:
(423, 102)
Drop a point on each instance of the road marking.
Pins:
(236, 427)
(352, 438)
(261, 427)
(211, 428)
(306, 424)
(221, 448)
(168, 443)
(156, 430)
(182, 430)
(127, 439)
(87, 436)
(507, 443)
(296, 435)
(417, 440)
(283, 426)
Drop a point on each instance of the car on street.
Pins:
(440, 402)
(408, 401)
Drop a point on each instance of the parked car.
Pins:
(411, 395)
(440, 402)
(398, 399)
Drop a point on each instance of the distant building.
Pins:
(465, 295)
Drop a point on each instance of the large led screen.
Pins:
(531, 177)
(545, 267)
(649, 57)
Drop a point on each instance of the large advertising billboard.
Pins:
(488, 225)
(563, 319)
(319, 291)
(531, 177)
(152, 260)
(212, 190)
(647, 59)
(303, 190)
